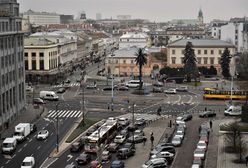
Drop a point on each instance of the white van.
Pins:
(48, 95)
(9, 145)
(233, 111)
(133, 83)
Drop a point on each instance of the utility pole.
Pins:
(112, 88)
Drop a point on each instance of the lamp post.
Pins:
(112, 84)
(133, 121)
(83, 105)
(57, 130)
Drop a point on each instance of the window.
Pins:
(33, 64)
(41, 54)
(41, 64)
(205, 51)
(205, 60)
(220, 52)
(116, 61)
(173, 60)
(131, 61)
(218, 60)
(199, 52)
(182, 58)
(199, 60)
(182, 52)
(109, 61)
(212, 52)
(26, 64)
(212, 60)
(124, 61)
(173, 52)
(33, 55)
(26, 54)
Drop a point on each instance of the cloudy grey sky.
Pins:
(154, 10)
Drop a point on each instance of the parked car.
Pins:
(122, 88)
(70, 166)
(124, 153)
(207, 114)
(123, 121)
(170, 91)
(132, 127)
(136, 139)
(204, 138)
(38, 101)
(182, 89)
(199, 153)
(167, 155)
(119, 139)
(203, 133)
(109, 88)
(176, 141)
(91, 86)
(28, 162)
(129, 146)
(106, 156)
(42, 135)
(158, 149)
(124, 133)
(197, 161)
(113, 147)
(202, 145)
(179, 134)
(187, 117)
(94, 164)
(164, 144)
(61, 90)
(117, 164)
(157, 90)
(140, 121)
(157, 162)
(76, 146)
(83, 158)
(139, 132)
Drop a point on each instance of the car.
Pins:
(91, 86)
(83, 158)
(61, 90)
(123, 121)
(132, 127)
(207, 114)
(124, 153)
(117, 164)
(204, 133)
(187, 117)
(200, 153)
(113, 147)
(195, 166)
(76, 146)
(179, 120)
(201, 145)
(95, 164)
(70, 166)
(28, 162)
(157, 90)
(170, 91)
(67, 81)
(179, 134)
(129, 146)
(109, 88)
(181, 124)
(124, 133)
(158, 149)
(182, 89)
(106, 156)
(38, 101)
(180, 129)
(136, 139)
(122, 88)
(119, 139)
(42, 135)
(139, 132)
(157, 162)
(197, 161)
(164, 144)
(167, 155)
(204, 138)
(158, 84)
(176, 141)
(140, 121)
(33, 128)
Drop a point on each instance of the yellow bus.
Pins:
(212, 93)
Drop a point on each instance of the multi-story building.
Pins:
(12, 72)
(139, 40)
(216, 28)
(49, 55)
(245, 35)
(41, 18)
(208, 52)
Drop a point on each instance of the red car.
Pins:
(95, 164)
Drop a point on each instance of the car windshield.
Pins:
(198, 152)
(26, 164)
(7, 145)
(43, 132)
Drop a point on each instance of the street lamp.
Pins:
(112, 88)
(57, 130)
(133, 121)
(83, 105)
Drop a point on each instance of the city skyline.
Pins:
(159, 10)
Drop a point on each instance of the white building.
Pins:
(139, 40)
(232, 32)
(207, 51)
(41, 18)
(12, 72)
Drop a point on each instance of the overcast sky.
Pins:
(154, 10)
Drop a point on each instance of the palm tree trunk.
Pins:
(140, 77)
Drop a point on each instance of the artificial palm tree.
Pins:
(140, 60)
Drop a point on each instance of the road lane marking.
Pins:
(19, 150)
(74, 112)
(69, 113)
(13, 156)
(79, 114)
(30, 140)
(62, 113)
(7, 161)
(66, 113)
(38, 147)
(69, 158)
(51, 133)
(51, 113)
(25, 145)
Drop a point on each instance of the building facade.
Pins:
(48, 56)
(207, 51)
(12, 72)
(139, 40)
(41, 18)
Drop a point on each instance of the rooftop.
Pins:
(201, 43)
(134, 35)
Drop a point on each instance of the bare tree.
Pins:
(242, 65)
(234, 135)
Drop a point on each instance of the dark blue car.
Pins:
(117, 164)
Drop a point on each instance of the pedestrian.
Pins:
(210, 124)
(205, 108)
(144, 140)
(246, 160)
(152, 139)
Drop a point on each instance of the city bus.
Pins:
(211, 93)
(101, 136)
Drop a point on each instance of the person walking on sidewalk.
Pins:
(152, 139)
(144, 140)
(210, 124)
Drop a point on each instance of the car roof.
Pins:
(28, 159)
(116, 162)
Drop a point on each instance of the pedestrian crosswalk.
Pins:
(64, 113)
(66, 85)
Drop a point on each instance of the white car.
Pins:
(170, 91)
(179, 134)
(176, 141)
(42, 135)
(199, 153)
(28, 162)
(202, 145)
(119, 139)
(163, 154)
(123, 121)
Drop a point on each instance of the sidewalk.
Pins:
(217, 157)
(159, 128)
(30, 115)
